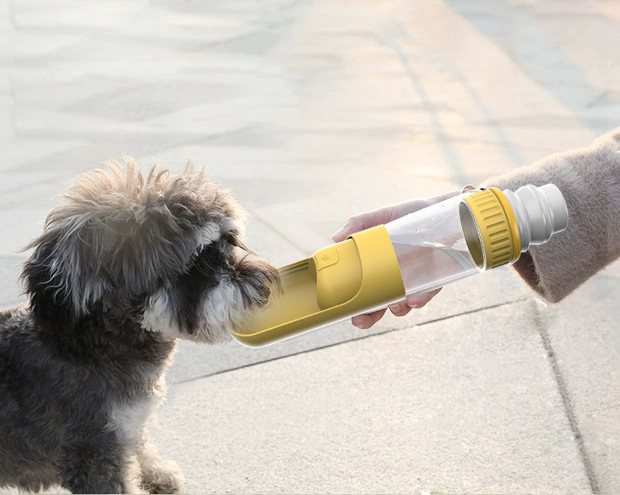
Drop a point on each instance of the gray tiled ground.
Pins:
(584, 333)
(437, 408)
(310, 112)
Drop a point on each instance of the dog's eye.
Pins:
(232, 238)
(194, 257)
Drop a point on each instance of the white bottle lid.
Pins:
(540, 212)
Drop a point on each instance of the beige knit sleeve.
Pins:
(589, 178)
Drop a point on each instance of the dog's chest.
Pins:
(128, 416)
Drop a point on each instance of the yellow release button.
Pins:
(326, 257)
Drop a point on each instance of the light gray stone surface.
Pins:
(584, 334)
(311, 112)
(465, 405)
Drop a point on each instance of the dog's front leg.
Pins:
(158, 476)
(95, 462)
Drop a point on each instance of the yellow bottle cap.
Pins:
(490, 228)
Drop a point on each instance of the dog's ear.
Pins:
(46, 284)
(68, 274)
(93, 257)
(65, 275)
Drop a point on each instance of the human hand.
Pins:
(382, 216)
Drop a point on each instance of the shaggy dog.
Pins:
(126, 266)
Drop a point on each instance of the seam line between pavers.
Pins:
(390, 330)
(567, 403)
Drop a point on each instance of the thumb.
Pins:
(351, 227)
(364, 221)
(342, 233)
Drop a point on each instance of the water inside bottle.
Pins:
(431, 248)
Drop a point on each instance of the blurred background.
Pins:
(310, 112)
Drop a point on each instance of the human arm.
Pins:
(589, 179)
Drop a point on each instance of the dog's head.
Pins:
(165, 248)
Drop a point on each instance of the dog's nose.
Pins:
(257, 280)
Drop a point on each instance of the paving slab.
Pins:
(583, 332)
(466, 405)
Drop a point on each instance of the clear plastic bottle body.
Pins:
(430, 246)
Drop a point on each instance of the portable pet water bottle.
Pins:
(448, 241)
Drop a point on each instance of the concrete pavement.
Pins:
(311, 112)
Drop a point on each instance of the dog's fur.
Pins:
(128, 264)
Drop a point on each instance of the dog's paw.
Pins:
(162, 477)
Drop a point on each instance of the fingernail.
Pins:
(394, 307)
